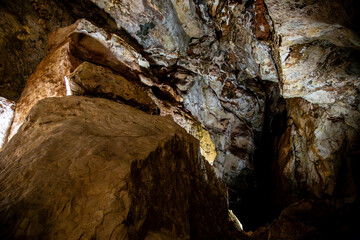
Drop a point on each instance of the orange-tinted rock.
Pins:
(94, 80)
(92, 168)
(24, 26)
(48, 80)
(261, 25)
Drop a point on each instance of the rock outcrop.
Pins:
(94, 80)
(318, 57)
(92, 168)
(317, 152)
(269, 87)
(24, 27)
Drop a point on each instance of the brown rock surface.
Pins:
(95, 80)
(220, 69)
(317, 152)
(47, 81)
(92, 168)
(24, 26)
(261, 26)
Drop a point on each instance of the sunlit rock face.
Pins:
(92, 168)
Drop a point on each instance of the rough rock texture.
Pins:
(6, 117)
(271, 85)
(318, 55)
(88, 42)
(24, 26)
(47, 81)
(318, 151)
(92, 168)
(165, 24)
(91, 79)
(223, 87)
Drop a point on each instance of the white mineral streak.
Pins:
(6, 117)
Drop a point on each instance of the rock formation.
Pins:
(270, 88)
(91, 168)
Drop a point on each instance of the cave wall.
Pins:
(269, 87)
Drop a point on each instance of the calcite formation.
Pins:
(6, 118)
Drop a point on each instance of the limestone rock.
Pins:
(7, 109)
(95, 80)
(317, 51)
(24, 26)
(317, 151)
(164, 24)
(316, 46)
(47, 81)
(94, 44)
(92, 168)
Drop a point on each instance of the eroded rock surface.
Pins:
(47, 81)
(24, 26)
(95, 80)
(92, 168)
(318, 151)
(221, 70)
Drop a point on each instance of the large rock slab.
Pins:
(92, 168)
(85, 41)
(94, 44)
(95, 80)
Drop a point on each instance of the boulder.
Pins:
(92, 168)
